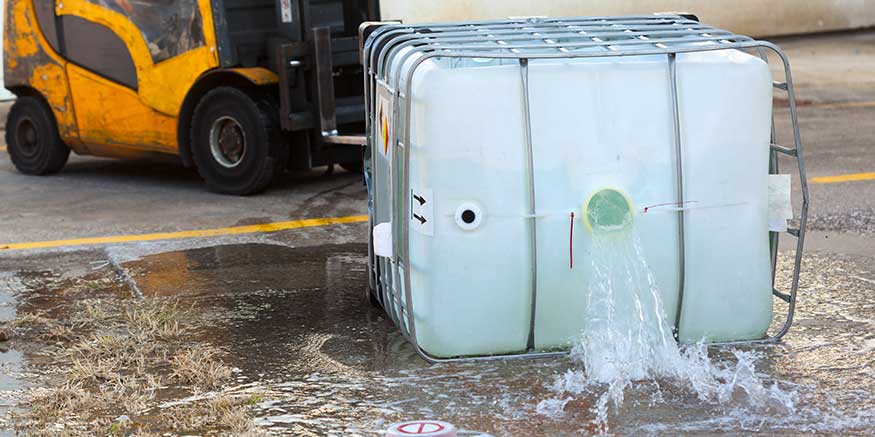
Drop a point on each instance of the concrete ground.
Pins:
(286, 308)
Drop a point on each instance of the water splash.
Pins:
(627, 339)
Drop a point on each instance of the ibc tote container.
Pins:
(485, 137)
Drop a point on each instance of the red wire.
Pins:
(571, 243)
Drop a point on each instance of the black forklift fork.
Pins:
(288, 57)
(325, 91)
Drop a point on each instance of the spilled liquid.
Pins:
(627, 341)
(297, 325)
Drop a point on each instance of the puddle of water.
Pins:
(334, 365)
(10, 370)
(297, 324)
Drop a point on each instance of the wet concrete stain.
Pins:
(296, 322)
(47, 285)
(287, 306)
(253, 221)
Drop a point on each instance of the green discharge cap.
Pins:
(608, 210)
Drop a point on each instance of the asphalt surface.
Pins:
(311, 280)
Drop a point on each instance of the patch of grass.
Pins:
(50, 405)
(57, 332)
(155, 319)
(223, 413)
(115, 358)
(95, 313)
(30, 320)
(127, 393)
(103, 357)
(201, 368)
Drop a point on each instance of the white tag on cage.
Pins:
(780, 204)
(383, 240)
(286, 10)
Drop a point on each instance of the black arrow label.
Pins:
(422, 220)
(419, 199)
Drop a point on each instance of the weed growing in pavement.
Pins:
(223, 412)
(121, 358)
(201, 368)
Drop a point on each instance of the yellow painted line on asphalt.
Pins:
(840, 105)
(234, 230)
(842, 178)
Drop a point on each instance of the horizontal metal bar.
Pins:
(567, 33)
(618, 53)
(520, 356)
(793, 231)
(782, 149)
(542, 23)
(783, 296)
(530, 40)
(780, 85)
(347, 140)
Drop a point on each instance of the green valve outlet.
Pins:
(608, 210)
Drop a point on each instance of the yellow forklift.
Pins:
(239, 89)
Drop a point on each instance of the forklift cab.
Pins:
(239, 89)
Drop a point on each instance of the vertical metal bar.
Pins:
(530, 173)
(400, 209)
(774, 237)
(325, 80)
(403, 121)
(679, 164)
(803, 218)
(282, 66)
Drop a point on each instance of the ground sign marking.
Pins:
(235, 230)
(418, 428)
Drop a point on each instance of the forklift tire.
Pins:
(236, 144)
(32, 138)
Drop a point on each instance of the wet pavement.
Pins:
(298, 326)
(289, 308)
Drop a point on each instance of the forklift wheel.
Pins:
(236, 144)
(32, 138)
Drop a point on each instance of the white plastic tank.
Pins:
(590, 126)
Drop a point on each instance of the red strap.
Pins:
(571, 243)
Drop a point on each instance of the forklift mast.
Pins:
(312, 46)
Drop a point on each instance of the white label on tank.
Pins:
(384, 115)
(286, 10)
(780, 205)
(422, 211)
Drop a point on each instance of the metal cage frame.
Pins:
(519, 41)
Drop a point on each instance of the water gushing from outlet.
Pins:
(627, 339)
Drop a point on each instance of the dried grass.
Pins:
(114, 354)
(225, 412)
(201, 368)
(155, 319)
(30, 320)
(50, 405)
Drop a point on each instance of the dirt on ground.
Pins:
(109, 363)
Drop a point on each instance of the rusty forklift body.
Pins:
(125, 78)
